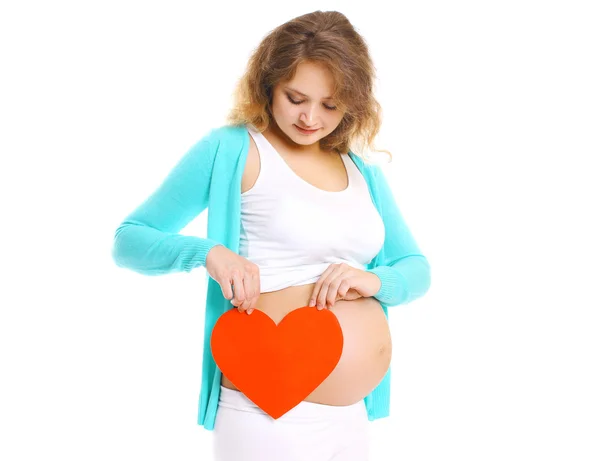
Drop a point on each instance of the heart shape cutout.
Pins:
(277, 365)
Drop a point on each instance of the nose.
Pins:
(308, 117)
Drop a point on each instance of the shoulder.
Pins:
(367, 167)
(214, 142)
(227, 134)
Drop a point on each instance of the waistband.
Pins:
(237, 400)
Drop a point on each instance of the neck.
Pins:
(313, 149)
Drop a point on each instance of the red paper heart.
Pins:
(277, 366)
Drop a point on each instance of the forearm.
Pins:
(149, 251)
(148, 240)
(404, 281)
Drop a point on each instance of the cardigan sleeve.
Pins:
(148, 241)
(403, 270)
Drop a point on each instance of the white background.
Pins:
(491, 110)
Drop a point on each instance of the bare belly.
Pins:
(367, 350)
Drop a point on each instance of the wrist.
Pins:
(375, 284)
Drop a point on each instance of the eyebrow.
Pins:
(302, 94)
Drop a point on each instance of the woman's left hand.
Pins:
(342, 281)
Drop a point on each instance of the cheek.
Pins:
(332, 122)
(291, 113)
(285, 111)
(333, 117)
(337, 117)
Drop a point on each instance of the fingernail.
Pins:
(312, 303)
(249, 311)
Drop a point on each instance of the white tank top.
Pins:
(293, 230)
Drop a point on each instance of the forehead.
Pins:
(311, 80)
(293, 89)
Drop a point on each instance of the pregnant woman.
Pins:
(296, 218)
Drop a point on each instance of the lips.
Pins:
(305, 130)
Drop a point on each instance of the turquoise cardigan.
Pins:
(209, 175)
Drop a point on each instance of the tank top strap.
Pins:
(279, 170)
(269, 158)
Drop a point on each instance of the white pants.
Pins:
(308, 432)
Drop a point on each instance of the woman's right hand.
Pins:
(228, 268)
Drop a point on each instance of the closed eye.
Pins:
(300, 102)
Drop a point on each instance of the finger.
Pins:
(317, 288)
(322, 295)
(256, 283)
(344, 287)
(238, 290)
(225, 284)
(324, 292)
(333, 292)
(249, 292)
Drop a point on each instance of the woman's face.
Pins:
(305, 102)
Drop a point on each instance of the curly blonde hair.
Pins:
(326, 38)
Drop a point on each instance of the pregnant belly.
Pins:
(367, 350)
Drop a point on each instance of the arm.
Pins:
(404, 272)
(147, 241)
